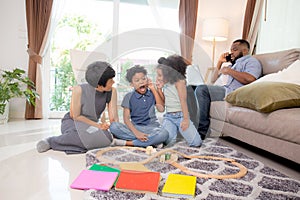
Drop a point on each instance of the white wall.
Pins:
(233, 11)
(280, 31)
(13, 42)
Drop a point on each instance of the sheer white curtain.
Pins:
(281, 29)
(56, 12)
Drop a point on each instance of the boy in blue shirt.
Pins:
(141, 126)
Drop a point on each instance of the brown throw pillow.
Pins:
(266, 96)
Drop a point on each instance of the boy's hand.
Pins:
(184, 124)
(141, 136)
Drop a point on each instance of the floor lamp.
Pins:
(214, 30)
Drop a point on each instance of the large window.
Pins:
(151, 14)
(128, 26)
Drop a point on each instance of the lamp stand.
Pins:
(211, 69)
(213, 54)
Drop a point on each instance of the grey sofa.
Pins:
(277, 132)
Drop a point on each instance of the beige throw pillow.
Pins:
(266, 96)
(287, 75)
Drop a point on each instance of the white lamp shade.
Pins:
(215, 29)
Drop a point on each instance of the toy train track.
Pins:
(170, 156)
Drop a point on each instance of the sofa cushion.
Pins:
(283, 124)
(287, 75)
(266, 96)
(218, 110)
(273, 62)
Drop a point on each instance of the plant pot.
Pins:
(4, 116)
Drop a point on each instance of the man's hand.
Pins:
(223, 57)
(225, 70)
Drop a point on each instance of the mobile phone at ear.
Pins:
(228, 58)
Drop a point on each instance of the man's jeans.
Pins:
(156, 134)
(205, 95)
(171, 123)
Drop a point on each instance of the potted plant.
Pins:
(14, 83)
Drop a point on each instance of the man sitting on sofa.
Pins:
(244, 70)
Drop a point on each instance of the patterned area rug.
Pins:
(260, 182)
